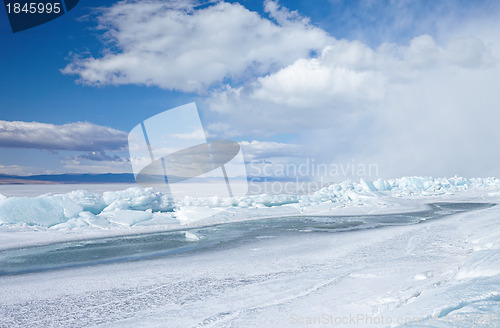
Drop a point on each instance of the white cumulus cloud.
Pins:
(176, 47)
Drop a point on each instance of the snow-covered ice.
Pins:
(83, 209)
(354, 254)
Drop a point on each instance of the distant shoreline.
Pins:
(107, 178)
(67, 178)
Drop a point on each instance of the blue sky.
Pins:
(336, 81)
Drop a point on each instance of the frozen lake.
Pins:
(427, 257)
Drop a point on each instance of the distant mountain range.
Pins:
(68, 178)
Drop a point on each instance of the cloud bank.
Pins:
(79, 136)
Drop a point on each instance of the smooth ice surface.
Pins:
(145, 246)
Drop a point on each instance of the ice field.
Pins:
(413, 252)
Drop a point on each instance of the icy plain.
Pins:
(416, 252)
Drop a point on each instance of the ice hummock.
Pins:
(149, 207)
